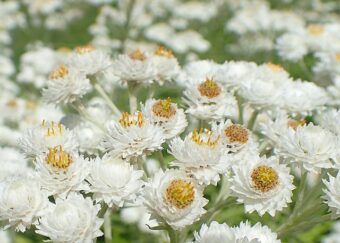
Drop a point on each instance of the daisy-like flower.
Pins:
(71, 220)
(234, 137)
(114, 181)
(166, 115)
(199, 154)
(208, 99)
(256, 233)
(330, 120)
(61, 171)
(47, 135)
(12, 163)
(173, 198)
(132, 136)
(215, 233)
(262, 184)
(66, 85)
(22, 201)
(136, 67)
(90, 61)
(333, 194)
(310, 145)
(166, 65)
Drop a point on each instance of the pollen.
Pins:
(315, 29)
(264, 178)
(127, 120)
(180, 193)
(58, 158)
(60, 72)
(137, 55)
(53, 129)
(85, 49)
(163, 108)
(296, 123)
(209, 88)
(204, 137)
(337, 56)
(164, 52)
(237, 133)
(274, 67)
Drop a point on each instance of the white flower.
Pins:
(136, 67)
(66, 85)
(166, 115)
(12, 163)
(174, 198)
(22, 201)
(334, 90)
(312, 146)
(302, 97)
(209, 100)
(4, 236)
(334, 235)
(332, 192)
(89, 61)
(199, 155)
(39, 139)
(330, 120)
(215, 233)
(166, 65)
(132, 136)
(256, 233)
(114, 181)
(262, 184)
(71, 220)
(61, 172)
(291, 47)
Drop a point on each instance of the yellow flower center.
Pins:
(85, 49)
(296, 123)
(12, 103)
(264, 178)
(127, 120)
(204, 137)
(209, 88)
(137, 55)
(180, 193)
(58, 158)
(60, 72)
(236, 133)
(53, 129)
(315, 29)
(164, 52)
(274, 67)
(163, 108)
(64, 50)
(337, 56)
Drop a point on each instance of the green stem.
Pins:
(125, 36)
(107, 99)
(252, 120)
(161, 159)
(132, 97)
(240, 109)
(107, 226)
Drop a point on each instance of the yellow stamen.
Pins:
(204, 137)
(180, 193)
(127, 120)
(274, 67)
(53, 129)
(337, 56)
(58, 158)
(209, 88)
(60, 72)
(162, 51)
(12, 103)
(85, 49)
(163, 108)
(236, 133)
(137, 55)
(264, 178)
(296, 123)
(315, 29)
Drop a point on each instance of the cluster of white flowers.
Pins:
(135, 124)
